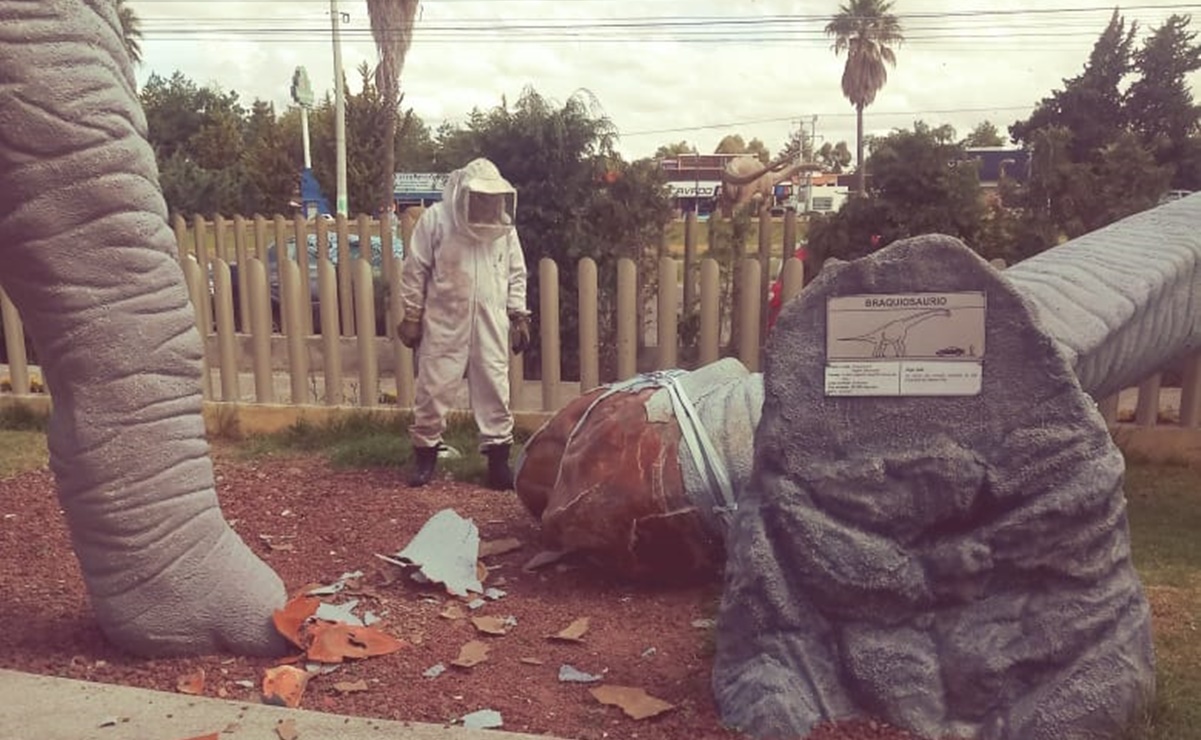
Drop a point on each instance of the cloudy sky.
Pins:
(663, 70)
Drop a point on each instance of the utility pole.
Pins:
(696, 175)
(808, 172)
(335, 19)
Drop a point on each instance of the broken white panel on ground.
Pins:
(444, 551)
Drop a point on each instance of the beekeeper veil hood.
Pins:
(482, 202)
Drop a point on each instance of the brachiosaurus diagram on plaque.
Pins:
(894, 333)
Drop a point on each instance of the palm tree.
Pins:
(866, 31)
(131, 31)
(392, 29)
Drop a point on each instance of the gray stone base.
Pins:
(952, 565)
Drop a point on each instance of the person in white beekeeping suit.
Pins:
(463, 287)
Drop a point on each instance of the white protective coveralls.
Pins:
(464, 280)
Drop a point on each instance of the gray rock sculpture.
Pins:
(954, 565)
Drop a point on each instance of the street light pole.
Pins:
(339, 109)
(808, 172)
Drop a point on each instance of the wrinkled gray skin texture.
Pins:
(954, 565)
(87, 256)
(1123, 300)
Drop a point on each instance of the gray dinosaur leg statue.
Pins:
(89, 260)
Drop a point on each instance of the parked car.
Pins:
(1172, 195)
(355, 249)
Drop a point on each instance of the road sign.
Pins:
(302, 90)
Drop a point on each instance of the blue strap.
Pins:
(704, 454)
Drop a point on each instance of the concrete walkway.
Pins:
(42, 708)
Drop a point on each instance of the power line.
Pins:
(688, 21)
(790, 119)
(762, 30)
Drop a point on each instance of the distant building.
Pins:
(418, 188)
(693, 180)
(997, 162)
(828, 192)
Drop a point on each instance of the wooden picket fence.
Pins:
(259, 356)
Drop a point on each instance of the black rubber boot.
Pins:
(500, 477)
(425, 459)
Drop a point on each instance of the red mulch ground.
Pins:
(336, 521)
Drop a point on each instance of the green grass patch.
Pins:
(17, 418)
(1165, 531)
(22, 451)
(22, 440)
(1165, 523)
(367, 440)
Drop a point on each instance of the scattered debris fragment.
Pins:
(292, 617)
(494, 594)
(569, 674)
(108, 722)
(494, 625)
(573, 632)
(286, 729)
(350, 687)
(340, 613)
(245, 683)
(453, 611)
(543, 559)
(330, 641)
(532, 661)
(649, 652)
(445, 551)
(210, 736)
(499, 547)
(471, 654)
(284, 685)
(333, 642)
(635, 702)
(484, 719)
(475, 604)
(321, 668)
(435, 671)
(270, 541)
(343, 581)
(191, 683)
(704, 624)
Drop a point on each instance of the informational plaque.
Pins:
(905, 344)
